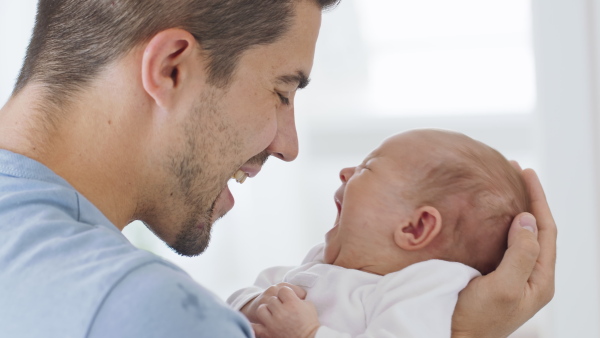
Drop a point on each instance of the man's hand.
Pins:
(495, 305)
(286, 316)
(249, 310)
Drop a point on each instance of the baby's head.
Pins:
(421, 195)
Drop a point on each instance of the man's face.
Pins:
(371, 204)
(234, 129)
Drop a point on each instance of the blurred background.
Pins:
(519, 75)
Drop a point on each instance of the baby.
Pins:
(422, 215)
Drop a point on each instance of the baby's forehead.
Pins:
(417, 144)
(426, 142)
(419, 151)
(427, 136)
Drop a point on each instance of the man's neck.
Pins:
(89, 147)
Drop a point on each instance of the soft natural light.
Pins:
(385, 66)
(397, 21)
(432, 57)
(452, 81)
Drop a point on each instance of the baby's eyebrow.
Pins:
(299, 78)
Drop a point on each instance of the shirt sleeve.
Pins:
(266, 278)
(156, 300)
(417, 302)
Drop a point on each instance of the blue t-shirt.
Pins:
(66, 271)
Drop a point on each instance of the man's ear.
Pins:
(166, 63)
(424, 225)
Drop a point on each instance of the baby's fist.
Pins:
(286, 316)
(249, 310)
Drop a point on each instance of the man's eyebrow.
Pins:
(300, 78)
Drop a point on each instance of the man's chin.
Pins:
(188, 250)
(192, 240)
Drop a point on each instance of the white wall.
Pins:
(16, 22)
(566, 34)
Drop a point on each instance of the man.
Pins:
(129, 110)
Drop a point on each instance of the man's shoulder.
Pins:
(155, 300)
(58, 272)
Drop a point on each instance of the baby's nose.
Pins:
(346, 173)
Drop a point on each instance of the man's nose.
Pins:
(346, 173)
(285, 143)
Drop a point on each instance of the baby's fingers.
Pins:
(260, 330)
(300, 292)
(263, 313)
(286, 295)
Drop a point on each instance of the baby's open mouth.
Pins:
(339, 206)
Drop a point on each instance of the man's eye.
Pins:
(285, 100)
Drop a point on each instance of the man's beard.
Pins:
(193, 239)
(198, 183)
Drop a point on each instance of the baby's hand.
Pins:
(286, 316)
(249, 310)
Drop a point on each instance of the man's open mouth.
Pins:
(240, 176)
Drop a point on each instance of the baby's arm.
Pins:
(267, 284)
(255, 301)
(285, 315)
(251, 308)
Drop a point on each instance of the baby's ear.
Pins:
(417, 232)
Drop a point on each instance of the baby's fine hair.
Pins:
(476, 190)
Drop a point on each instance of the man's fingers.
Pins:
(543, 215)
(543, 275)
(521, 256)
(515, 165)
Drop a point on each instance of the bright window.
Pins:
(432, 57)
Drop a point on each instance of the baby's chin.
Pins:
(328, 255)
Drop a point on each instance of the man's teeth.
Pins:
(240, 176)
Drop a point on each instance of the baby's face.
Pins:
(370, 203)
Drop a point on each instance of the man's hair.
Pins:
(479, 192)
(73, 40)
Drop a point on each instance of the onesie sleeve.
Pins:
(268, 277)
(156, 300)
(416, 302)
